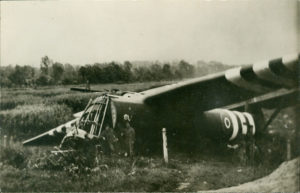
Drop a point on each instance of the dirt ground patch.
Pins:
(286, 178)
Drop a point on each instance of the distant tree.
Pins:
(127, 69)
(45, 75)
(54, 73)
(5, 72)
(97, 73)
(112, 72)
(142, 73)
(22, 75)
(17, 77)
(70, 75)
(82, 72)
(186, 69)
(43, 80)
(90, 74)
(156, 72)
(167, 73)
(29, 75)
(57, 71)
(178, 74)
(119, 73)
(45, 65)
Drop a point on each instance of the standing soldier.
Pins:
(110, 139)
(129, 136)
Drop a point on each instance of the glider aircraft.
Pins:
(224, 106)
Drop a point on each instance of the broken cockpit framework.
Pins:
(88, 125)
(92, 120)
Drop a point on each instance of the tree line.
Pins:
(56, 73)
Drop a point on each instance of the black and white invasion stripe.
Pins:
(266, 76)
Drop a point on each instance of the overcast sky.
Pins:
(82, 32)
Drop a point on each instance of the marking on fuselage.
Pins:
(227, 122)
(113, 113)
(251, 122)
(243, 122)
(234, 124)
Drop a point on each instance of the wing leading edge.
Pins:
(232, 86)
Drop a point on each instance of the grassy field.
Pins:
(33, 170)
(27, 112)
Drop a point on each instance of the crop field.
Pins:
(27, 112)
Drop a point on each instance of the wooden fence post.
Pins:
(5, 141)
(289, 150)
(11, 141)
(165, 148)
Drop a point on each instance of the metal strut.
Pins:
(103, 117)
(94, 123)
(88, 116)
(86, 107)
(272, 117)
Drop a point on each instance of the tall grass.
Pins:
(23, 170)
(29, 120)
(28, 112)
(75, 101)
(12, 101)
(11, 98)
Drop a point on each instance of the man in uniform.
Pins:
(109, 139)
(129, 134)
